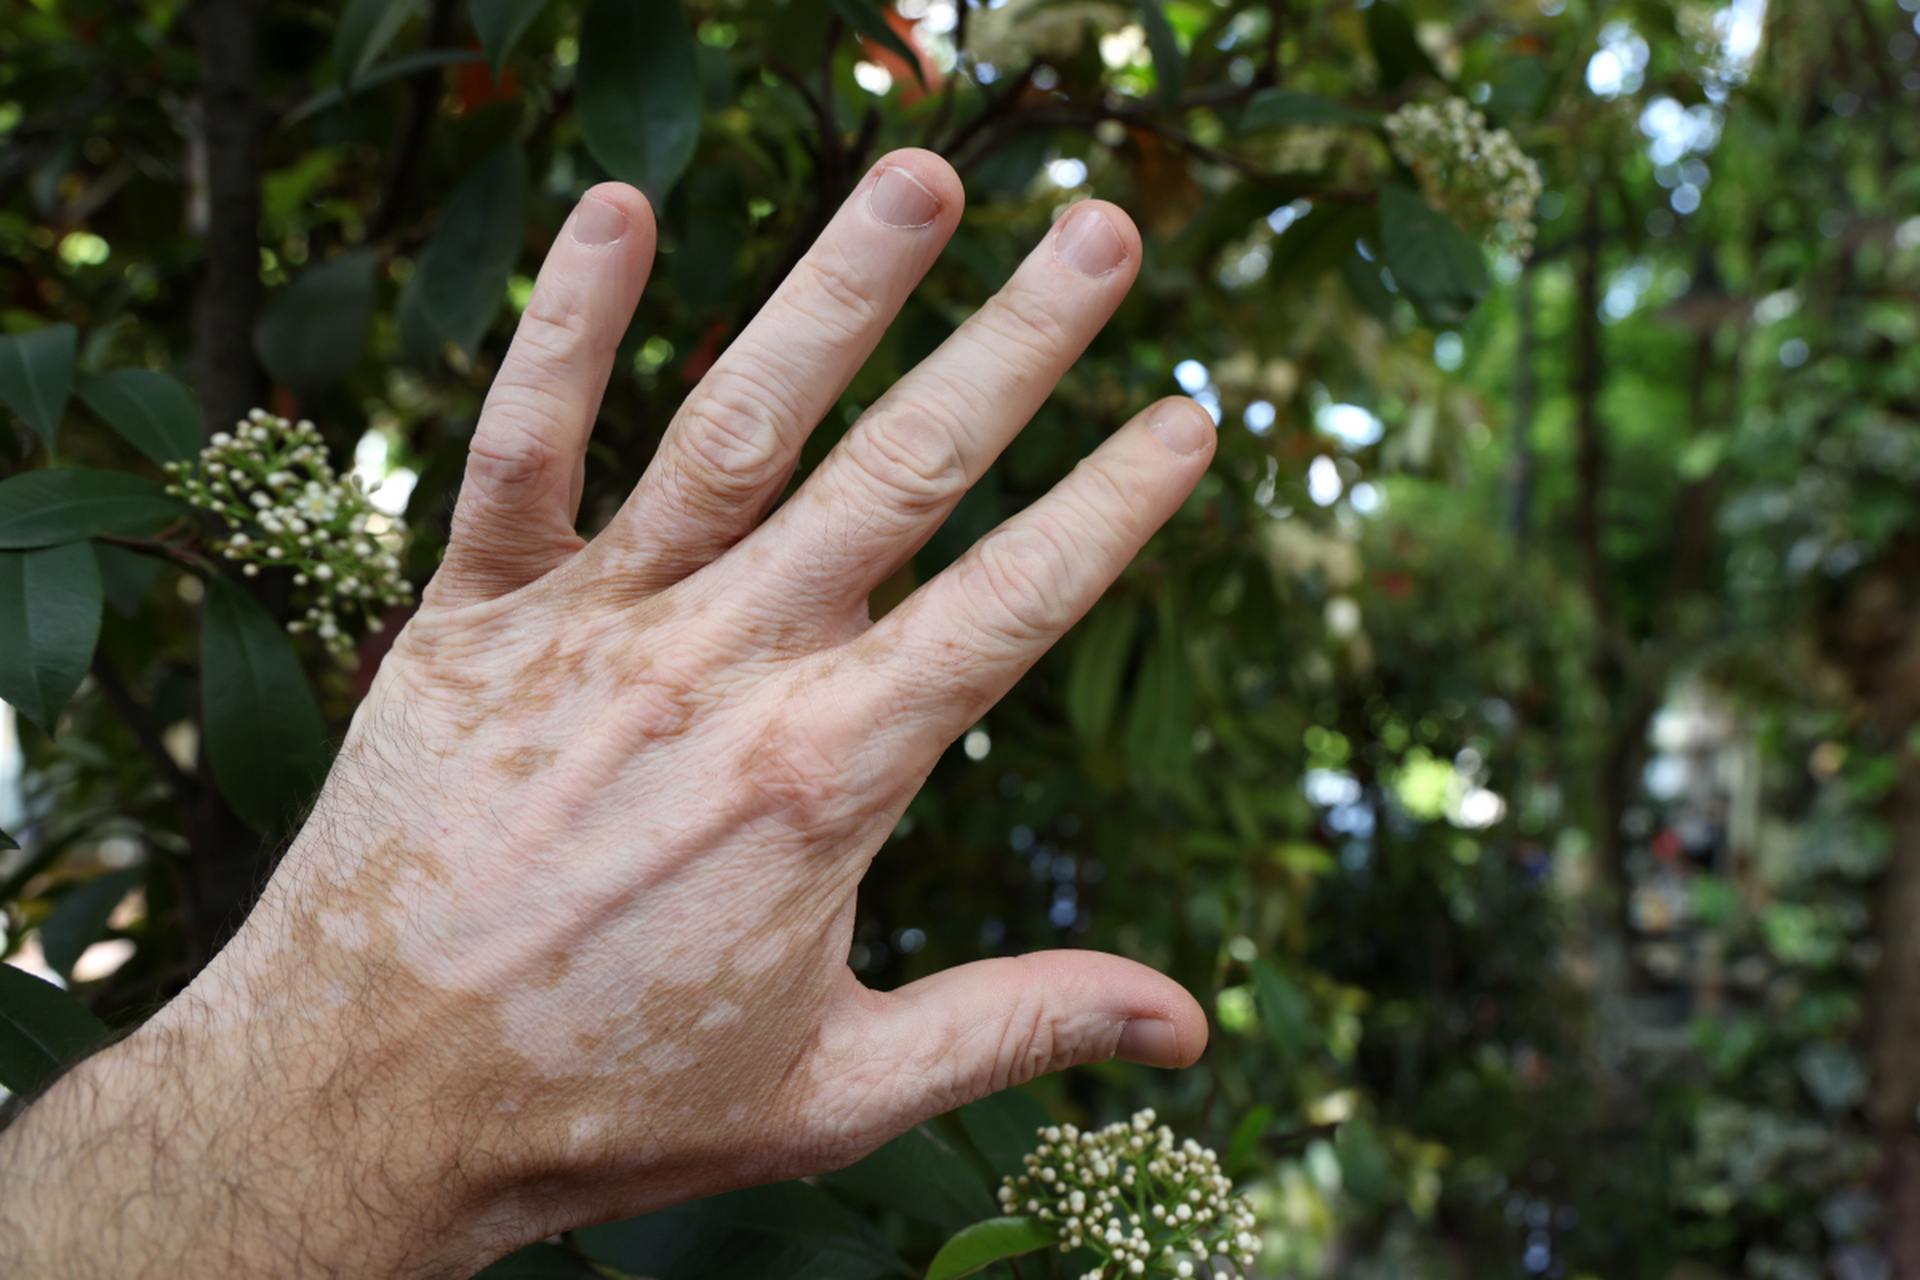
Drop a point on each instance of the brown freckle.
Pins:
(588, 1042)
(559, 965)
(525, 762)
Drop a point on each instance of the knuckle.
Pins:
(1022, 331)
(829, 293)
(510, 466)
(1019, 569)
(907, 456)
(555, 328)
(731, 431)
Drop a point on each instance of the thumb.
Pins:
(948, 1039)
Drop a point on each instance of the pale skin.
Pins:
(565, 938)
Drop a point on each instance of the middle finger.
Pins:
(888, 484)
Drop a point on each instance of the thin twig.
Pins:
(120, 698)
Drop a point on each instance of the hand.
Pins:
(565, 938)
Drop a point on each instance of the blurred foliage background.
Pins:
(1512, 741)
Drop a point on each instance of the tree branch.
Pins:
(185, 789)
(423, 99)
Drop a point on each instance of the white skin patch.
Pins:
(585, 1129)
(723, 1013)
(347, 929)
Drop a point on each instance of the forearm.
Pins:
(187, 1151)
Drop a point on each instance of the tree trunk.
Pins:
(229, 860)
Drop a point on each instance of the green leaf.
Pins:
(1160, 721)
(1365, 283)
(500, 24)
(985, 1243)
(7, 842)
(1437, 265)
(127, 576)
(1246, 1137)
(36, 376)
(922, 1176)
(264, 733)
(81, 918)
(50, 604)
(639, 92)
(1276, 108)
(1366, 1170)
(152, 412)
(1395, 47)
(398, 69)
(312, 334)
(1169, 62)
(789, 1230)
(1098, 666)
(45, 508)
(870, 20)
(42, 1028)
(1005, 1126)
(366, 28)
(1284, 1012)
(460, 278)
(539, 1262)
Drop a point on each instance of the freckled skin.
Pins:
(565, 938)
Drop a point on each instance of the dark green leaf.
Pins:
(1437, 265)
(1169, 62)
(398, 69)
(985, 1243)
(1161, 720)
(460, 279)
(788, 1231)
(539, 1262)
(1098, 667)
(639, 92)
(1005, 1126)
(81, 918)
(312, 333)
(1366, 1170)
(45, 508)
(42, 1028)
(1246, 1136)
(36, 376)
(127, 577)
(922, 1176)
(49, 620)
(366, 28)
(1274, 108)
(1364, 282)
(7, 842)
(152, 412)
(1284, 1012)
(1518, 87)
(1395, 47)
(500, 24)
(264, 733)
(870, 20)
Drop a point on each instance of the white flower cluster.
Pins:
(1149, 1205)
(1477, 174)
(271, 482)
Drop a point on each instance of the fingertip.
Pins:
(1182, 426)
(610, 212)
(911, 189)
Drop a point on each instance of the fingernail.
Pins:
(1088, 243)
(899, 200)
(1149, 1042)
(596, 222)
(1182, 426)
